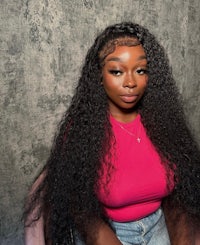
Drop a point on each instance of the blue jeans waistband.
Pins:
(143, 231)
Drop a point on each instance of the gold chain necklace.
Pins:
(130, 133)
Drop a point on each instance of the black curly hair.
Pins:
(67, 195)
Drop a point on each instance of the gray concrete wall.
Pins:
(42, 46)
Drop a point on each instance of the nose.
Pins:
(129, 81)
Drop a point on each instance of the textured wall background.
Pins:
(42, 46)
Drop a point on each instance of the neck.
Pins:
(124, 117)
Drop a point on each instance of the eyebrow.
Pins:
(143, 57)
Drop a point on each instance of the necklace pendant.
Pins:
(130, 133)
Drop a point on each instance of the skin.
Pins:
(125, 80)
(35, 234)
(125, 87)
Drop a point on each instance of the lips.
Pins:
(128, 98)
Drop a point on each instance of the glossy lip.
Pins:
(129, 98)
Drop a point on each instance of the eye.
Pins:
(142, 71)
(115, 72)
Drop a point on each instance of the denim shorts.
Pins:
(150, 230)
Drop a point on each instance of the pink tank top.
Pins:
(138, 182)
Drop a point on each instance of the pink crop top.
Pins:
(138, 182)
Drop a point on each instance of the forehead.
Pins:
(111, 45)
(125, 52)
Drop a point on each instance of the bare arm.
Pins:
(34, 233)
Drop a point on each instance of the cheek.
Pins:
(108, 87)
(144, 87)
(144, 84)
(109, 83)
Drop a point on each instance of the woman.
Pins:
(123, 154)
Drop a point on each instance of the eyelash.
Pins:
(115, 72)
(118, 72)
(142, 71)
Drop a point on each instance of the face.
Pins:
(125, 78)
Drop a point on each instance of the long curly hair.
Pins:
(67, 195)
